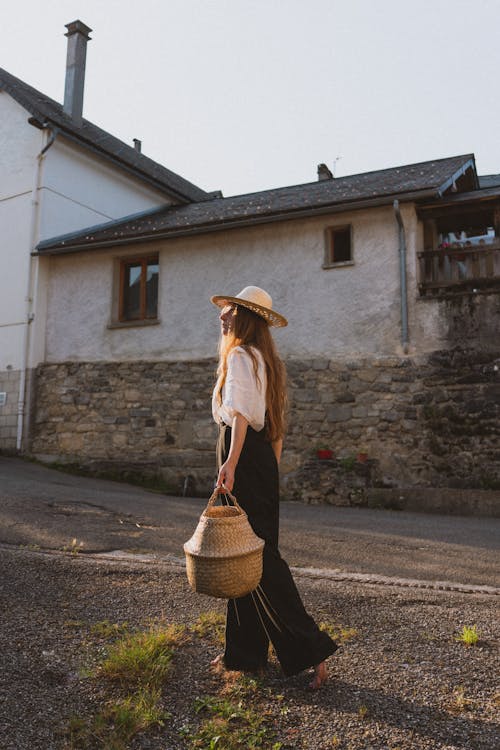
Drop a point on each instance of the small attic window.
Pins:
(338, 246)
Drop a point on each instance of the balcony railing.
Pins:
(456, 269)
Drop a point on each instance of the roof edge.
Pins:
(52, 246)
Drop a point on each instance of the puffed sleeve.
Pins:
(243, 393)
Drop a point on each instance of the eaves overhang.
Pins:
(469, 164)
(55, 246)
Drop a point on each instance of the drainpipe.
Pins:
(402, 277)
(32, 281)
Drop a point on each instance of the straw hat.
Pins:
(256, 300)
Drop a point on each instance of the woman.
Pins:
(249, 405)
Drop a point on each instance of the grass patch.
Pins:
(469, 636)
(230, 725)
(338, 633)
(210, 625)
(118, 722)
(106, 629)
(234, 720)
(137, 663)
(142, 658)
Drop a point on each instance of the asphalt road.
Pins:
(48, 509)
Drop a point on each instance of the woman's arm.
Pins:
(277, 448)
(238, 434)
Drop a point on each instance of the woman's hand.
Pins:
(226, 475)
(238, 433)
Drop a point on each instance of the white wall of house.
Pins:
(75, 189)
(81, 189)
(19, 145)
(340, 312)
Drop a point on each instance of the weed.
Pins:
(335, 741)
(107, 629)
(73, 623)
(429, 636)
(469, 636)
(460, 701)
(338, 633)
(139, 663)
(363, 712)
(230, 722)
(119, 721)
(348, 463)
(142, 658)
(231, 726)
(209, 625)
(74, 547)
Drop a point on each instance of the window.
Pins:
(338, 246)
(138, 289)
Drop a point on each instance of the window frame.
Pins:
(118, 320)
(328, 261)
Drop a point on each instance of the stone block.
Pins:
(390, 416)
(338, 413)
(367, 376)
(320, 364)
(359, 412)
(345, 397)
(306, 395)
(328, 397)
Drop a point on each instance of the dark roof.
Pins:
(46, 110)
(412, 182)
(489, 180)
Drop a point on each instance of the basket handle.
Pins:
(217, 491)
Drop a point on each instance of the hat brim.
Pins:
(271, 316)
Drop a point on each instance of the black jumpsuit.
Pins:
(296, 638)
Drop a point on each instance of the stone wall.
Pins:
(9, 384)
(432, 423)
(131, 417)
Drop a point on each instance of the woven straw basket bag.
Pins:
(224, 555)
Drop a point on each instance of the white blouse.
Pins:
(242, 392)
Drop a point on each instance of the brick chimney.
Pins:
(78, 36)
(324, 173)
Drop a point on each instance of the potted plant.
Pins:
(323, 452)
(362, 456)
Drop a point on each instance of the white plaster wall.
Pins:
(19, 144)
(81, 190)
(341, 312)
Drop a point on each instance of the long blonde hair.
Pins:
(251, 330)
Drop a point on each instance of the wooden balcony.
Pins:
(449, 270)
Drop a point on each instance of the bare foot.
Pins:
(320, 676)
(217, 661)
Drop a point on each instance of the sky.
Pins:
(246, 95)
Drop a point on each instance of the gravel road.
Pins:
(401, 682)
